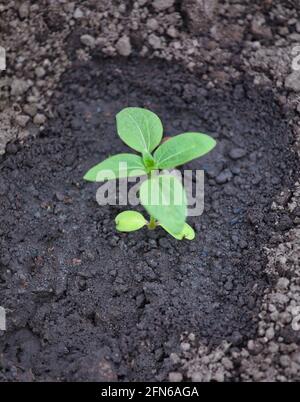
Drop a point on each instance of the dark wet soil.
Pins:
(87, 303)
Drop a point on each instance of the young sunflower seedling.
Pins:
(162, 195)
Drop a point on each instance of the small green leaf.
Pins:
(186, 233)
(149, 161)
(183, 148)
(116, 167)
(139, 128)
(129, 221)
(164, 198)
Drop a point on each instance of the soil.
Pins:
(245, 90)
(87, 303)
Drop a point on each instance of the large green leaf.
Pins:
(164, 198)
(183, 148)
(117, 166)
(139, 128)
(186, 233)
(129, 221)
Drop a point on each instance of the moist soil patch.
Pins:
(84, 302)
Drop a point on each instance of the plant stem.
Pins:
(152, 224)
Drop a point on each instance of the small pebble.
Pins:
(292, 81)
(24, 10)
(185, 346)
(78, 14)
(152, 24)
(19, 87)
(123, 46)
(88, 40)
(39, 119)
(175, 377)
(237, 153)
(40, 72)
(224, 176)
(22, 120)
(160, 5)
(155, 41)
(30, 109)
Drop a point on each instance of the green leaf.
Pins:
(149, 161)
(164, 198)
(117, 166)
(129, 221)
(139, 128)
(183, 148)
(186, 233)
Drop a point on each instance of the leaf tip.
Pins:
(213, 142)
(87, 176)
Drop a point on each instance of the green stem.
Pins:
(152, 224)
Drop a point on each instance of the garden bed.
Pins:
(87, 303)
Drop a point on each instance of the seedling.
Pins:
(162, 195)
